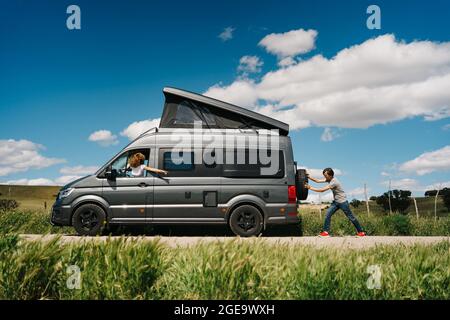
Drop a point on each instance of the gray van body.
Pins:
(178, 200)
(191, 199)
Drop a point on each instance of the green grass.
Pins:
(29, 221)
(30, 197)
(377, 225)
(37, 222)
(135, 269)
(425, 206)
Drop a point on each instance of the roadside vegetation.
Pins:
(135, 269)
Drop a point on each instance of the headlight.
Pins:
(65, 193)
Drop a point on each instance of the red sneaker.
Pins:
(361, 234)
(324, 234)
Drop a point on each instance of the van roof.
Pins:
(221, 106)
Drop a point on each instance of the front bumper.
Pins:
(61, 214)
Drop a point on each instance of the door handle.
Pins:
(143, 185)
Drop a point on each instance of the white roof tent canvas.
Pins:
(182, 108)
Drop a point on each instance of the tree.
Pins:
(355, 203)
(430, 193)
(400, 200)
(373, 198)
(446, 197)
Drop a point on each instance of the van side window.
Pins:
(251, 170)
(176, 161)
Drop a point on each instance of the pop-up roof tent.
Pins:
(183, 108)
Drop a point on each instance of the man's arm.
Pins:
(317, 189)
(314, 179)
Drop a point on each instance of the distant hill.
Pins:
(30, 197)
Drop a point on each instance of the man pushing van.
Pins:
(339, 202)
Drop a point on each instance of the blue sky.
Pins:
(59, 86)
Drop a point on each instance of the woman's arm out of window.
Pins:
(155, 170)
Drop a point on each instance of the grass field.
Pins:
(133, 269)
(30, 197)
(34, 197)
(37, 222)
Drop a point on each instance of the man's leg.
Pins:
(346, 208)
(331, 210)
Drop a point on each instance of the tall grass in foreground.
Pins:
(121, 269)
(137, 269)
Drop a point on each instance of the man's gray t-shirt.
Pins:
(338, 192)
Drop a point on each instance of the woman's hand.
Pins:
(307, 186)
(162, 171)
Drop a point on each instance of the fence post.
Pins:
(417, 210)
(320, 206)
(367, 200)
(389, 193)
(435, 202)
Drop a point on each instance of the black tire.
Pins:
(246, 221)
(89, 220)
(301, 179)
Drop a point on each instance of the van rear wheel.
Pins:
(89, 220)
(246, 221)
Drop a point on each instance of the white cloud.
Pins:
(104, 138)
(31, 182)
(385, 174)
(404, 184)
(379, 81)
(241, 92)
(290, 43)
(138, 127)
(227, 34)
(438, 185)
(358, 193)
(22, 155)
(438, 160)
(249, 64)
(315, 197)
(329, 135)
(79, 170)
(63, 180)
(413, 185)
(286, 62)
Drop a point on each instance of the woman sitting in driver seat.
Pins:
(136, 161)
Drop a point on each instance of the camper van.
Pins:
(226, 165)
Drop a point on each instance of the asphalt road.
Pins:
(339, 242)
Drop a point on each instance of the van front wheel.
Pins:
(246, 221)
(89, 220)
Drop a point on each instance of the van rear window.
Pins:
(254, 169)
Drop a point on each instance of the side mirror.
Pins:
(111, 174)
